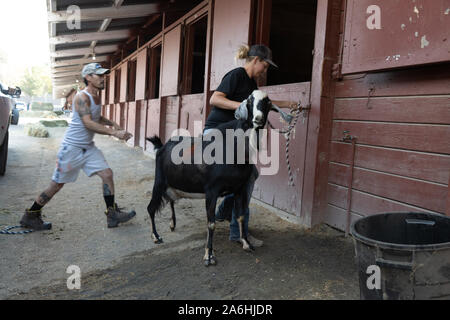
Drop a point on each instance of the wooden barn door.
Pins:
(275, 190)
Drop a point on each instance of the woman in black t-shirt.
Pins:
(235, 87)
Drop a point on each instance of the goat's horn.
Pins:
(286, 117)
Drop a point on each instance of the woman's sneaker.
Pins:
(115, 215)
(254, 242)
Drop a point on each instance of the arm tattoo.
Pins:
(106, 121)
(43, 199)
(106, 190)
(82, 107)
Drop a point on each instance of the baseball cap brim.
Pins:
(271, 63)
(102, 71)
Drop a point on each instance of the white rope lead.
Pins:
(287, 133)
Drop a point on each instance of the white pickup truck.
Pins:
(8, 115)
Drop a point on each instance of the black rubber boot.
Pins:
(33, 220)
(115, 215)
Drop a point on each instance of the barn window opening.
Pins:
(288, 28)
(117, 86)
(106, 90)
(153, 72)
(195, 56)
(131, 80)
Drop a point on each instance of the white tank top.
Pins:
(77, 134)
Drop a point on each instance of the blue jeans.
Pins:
(227, 205)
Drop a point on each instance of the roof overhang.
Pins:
(84, 31)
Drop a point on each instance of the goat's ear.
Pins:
(250, 101)
(286, 117)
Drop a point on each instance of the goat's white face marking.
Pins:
(258, 115)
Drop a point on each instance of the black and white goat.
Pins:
(210, 181)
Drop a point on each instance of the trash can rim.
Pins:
(398, 246)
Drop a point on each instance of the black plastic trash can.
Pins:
(410, 252)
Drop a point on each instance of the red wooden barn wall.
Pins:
(400, 118)
(229, 27)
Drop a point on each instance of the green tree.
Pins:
(36, 82)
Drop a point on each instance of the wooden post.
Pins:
(448, 198)
(207, 92)
(314, 197)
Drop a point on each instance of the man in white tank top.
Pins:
(78, 151)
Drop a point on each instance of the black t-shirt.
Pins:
(237, 86)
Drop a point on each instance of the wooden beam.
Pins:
(65, 69)
(77, 61)
(448, 198)
(118, 3)
(66, 74)
(84, 51)
(105, 25)
(67, 84)
(151, 20)
(132, 11)
(320, 124)
(51, 5)
(68, 79)
(90, 36)
(66, 88)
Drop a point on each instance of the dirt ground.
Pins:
(124, 263)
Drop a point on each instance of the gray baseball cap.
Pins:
(93, 68)
(263, 52)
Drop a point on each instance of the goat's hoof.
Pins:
(247, 246)
(172, 228)
(157, 239)
(211, 261)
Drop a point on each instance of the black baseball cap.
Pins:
(263, 52)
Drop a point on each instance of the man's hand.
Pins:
(122, 134)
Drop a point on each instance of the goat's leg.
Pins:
(173, 223)
(239, 207)
(152, 207)
(210, 258)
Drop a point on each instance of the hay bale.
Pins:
(41, 106)
(54, 123)
(39, 114)
(36, 130)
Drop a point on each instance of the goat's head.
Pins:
(259, 106)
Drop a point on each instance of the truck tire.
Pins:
(15, 117)
(4, 154)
